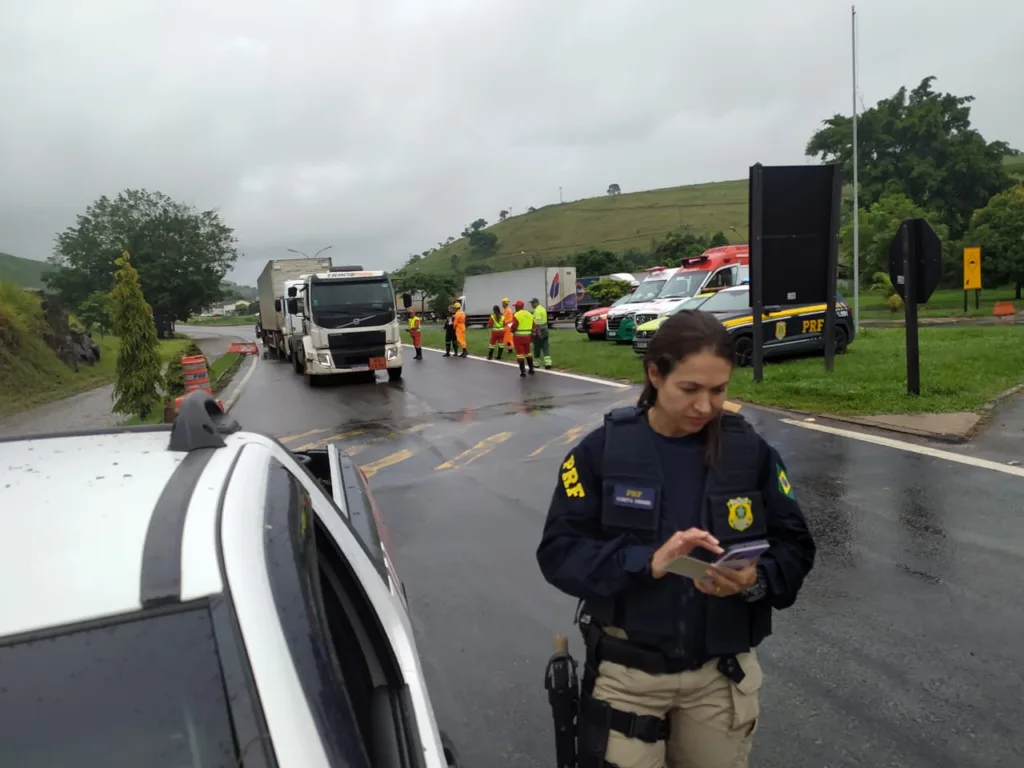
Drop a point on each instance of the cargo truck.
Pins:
(349, 323)
(271, 288)
(555, 286)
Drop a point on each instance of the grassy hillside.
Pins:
(552, 233)
(26, 273)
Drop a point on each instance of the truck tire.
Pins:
(394, 374)
(312, 381)
(298, 363)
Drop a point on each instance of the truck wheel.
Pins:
(298, 364)
(394, 374)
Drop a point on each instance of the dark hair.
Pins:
(687, 332)
(497, 309)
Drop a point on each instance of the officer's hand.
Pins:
(725, 581)
(682, 543)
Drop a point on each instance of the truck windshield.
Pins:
(351, 303)
(142, 692)
(684, 284)
(648, 290)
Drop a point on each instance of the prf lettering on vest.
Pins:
(813, 326)
(571, 479)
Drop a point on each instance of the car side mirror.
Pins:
(451, 757)
(293, 305)
(293, 292)
(277, 305)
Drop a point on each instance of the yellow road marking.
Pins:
(304, 434)
(322, 442)
(482, 448)
(359, 447)
(374, 467)
(352, 450)
(731, 407)
(564, 439)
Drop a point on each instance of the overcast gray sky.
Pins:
(383, 126)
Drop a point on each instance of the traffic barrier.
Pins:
(245, 348)
(194, 374)
(1003, 309)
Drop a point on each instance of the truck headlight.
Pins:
(323, 358)
(392, 353)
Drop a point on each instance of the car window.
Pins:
(683, 284)
(728, 301)
(142, 692)
(722, 278)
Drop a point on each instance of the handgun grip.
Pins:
(561, 644)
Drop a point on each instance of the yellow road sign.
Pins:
(972, 269)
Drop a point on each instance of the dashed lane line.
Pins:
(374, 467)
(311, 432)
(479, 450)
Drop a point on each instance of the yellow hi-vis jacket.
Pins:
(540, 318)
(414, 323)
(525, 323)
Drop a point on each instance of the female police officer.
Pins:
(671, 675)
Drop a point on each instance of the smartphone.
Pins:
(741, 555)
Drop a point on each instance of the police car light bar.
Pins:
(687, 260)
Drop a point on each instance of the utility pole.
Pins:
(856, 208)
(559, 194)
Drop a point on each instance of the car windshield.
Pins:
(694, 302)
(647, 291)
(727, 301)
(622, 300)
(146, 692)
(684, 284)
(350, 303)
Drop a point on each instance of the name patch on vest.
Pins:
(632, 496)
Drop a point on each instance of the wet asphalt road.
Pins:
(904, 650)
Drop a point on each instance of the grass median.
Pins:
(230, 321)
(961, 369)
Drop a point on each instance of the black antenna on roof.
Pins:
(200, 423)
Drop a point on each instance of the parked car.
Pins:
(197, 595)
(594, 323)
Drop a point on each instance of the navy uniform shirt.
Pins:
(581, 559)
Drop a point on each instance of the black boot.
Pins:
(419, 353)
(490, 354)
(529, 361)
(447, 350)
(501, 351)
(522, 369)
(465, 352)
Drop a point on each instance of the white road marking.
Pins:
(923, 450)
(577, 376)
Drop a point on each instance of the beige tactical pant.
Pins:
(713, 720)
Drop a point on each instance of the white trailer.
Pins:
(554, 286)
(271, 288)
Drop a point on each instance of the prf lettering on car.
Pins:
(571, 479)
(813, 326)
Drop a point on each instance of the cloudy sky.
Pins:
(383, 127)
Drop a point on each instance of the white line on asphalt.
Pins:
(910, 447)
(242, 383)
(580, 377)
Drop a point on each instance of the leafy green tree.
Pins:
(97, 311)
(922, 145)
(999, 229)
(181, 254)
(139, 375)
(597, 262)
(605, 291)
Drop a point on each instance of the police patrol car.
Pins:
(201, 597)
(787, 330)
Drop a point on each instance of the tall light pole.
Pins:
(856, 209)
(300, 253)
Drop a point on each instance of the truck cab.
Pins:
(291, 323)
(349, 323)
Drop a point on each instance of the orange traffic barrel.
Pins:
(1003, 308)
(194, 373)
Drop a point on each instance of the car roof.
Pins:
(104, 489)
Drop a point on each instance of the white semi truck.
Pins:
(554, 286)
(349, 323)
(279, 328)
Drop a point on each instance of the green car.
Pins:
(643, 335)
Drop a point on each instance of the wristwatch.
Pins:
(758, 590)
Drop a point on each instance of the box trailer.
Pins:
(270, 286)
(554, 286)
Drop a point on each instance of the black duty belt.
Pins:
(605, 647)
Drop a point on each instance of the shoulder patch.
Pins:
(785, 488)
(571, 479)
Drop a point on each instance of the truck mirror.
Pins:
(292, 293)
(277, 305)
(406, 300)
(293, 304)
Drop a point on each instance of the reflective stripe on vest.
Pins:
(525, 323)
(540, 316)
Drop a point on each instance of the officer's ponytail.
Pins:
(686, 333)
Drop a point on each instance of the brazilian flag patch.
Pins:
(785, 488)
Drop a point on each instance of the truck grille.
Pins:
(349, 349)
(614, 323)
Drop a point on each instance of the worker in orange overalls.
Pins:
(496, 323)
(460, 329)
(508, 327)
(414, 331)
(522, 334)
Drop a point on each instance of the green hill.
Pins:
(25, 273)
(616, 223)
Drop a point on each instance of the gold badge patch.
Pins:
(780, 330)
(741, 513)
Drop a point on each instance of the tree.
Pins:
(613, 189)
(878, 226)
(596, 262)
(999, 229)
(923, 146)
(502, 214)
(181, 254)
(606, 291)
(531, 209)
(97, 311)
(139, 374)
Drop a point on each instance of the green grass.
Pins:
(961, 370)
(232, 320)
(25, 273)
(943, 303)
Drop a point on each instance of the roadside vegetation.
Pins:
(961, 370)
(229, 321)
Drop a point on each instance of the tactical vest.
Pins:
(731, 509)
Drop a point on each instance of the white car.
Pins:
(201, 597)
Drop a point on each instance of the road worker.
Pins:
(496, 323)
(509, 345)
(459, 324)
(541, 340)
(449, 331)
(522, 335)
(414, 331)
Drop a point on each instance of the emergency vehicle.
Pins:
(197, 595)
(787, 330)
(716, 268)
(594, 322)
